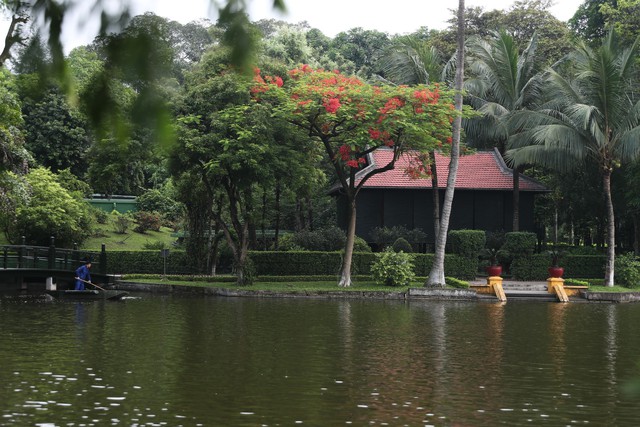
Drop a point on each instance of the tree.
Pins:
(503, 82)
(436, 275)
(593, 114)
(588, 22)
(412, 61)
(47, 210)
(351, 119)
(55, 133)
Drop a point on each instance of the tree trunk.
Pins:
(436, 276)
(636, 230)
(611, 231)
(345, 274)
(435, 195)
(276, 234)
(516, 199)
(263, 220)
(309, 213)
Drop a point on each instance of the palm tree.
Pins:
(592, 115)
(412, 61)
(436, 275)
(503, 81)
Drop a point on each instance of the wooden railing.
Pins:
(26, 257)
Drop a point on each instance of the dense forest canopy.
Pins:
(164, 110)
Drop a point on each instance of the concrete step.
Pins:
(530, 295)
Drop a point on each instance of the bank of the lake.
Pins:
(328, 289)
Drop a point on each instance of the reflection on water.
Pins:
(161, 360)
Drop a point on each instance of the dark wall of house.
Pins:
(480, 210)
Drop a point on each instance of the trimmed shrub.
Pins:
(535, 267)
(520, 243)
(393, 268)
(360, 245)
(455, 283)
(627, 270)
(402, 245)
(146, 221)
(467, 243)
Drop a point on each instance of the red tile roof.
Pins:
(483, 170)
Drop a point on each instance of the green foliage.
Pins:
(123, 262)
(384, 236)
(402, 245)
(456, 283)
(271, 263)
(48, 210)
(467, 243)
(155, 245)
(627, 269)
(157, 200)
(325, 239)
(146, 221)
(393, 268)
(100, 216)
(576, 282)
(535, 266)
(120, 222)
(520, 243)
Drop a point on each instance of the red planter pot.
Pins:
(556, 272)
(494, 270)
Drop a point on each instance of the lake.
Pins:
(158, 360)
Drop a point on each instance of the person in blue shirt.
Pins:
(82, 273)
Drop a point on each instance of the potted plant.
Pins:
(494, 268)
(555, 270)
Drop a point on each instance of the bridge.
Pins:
(33, 269)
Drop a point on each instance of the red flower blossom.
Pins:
(353, 163)
(374, 133)
(331, 105)
(279, 81)
(345, 152)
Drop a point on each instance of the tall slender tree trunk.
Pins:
(516, 199)
(345, 275)
(276, 234)
(611, 231)
(435, 195)
(436, 276)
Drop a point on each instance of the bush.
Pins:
(402, 245)
(519, 244)
(158, 201)
(120, 222)
(535, 267)
(467, 243)
(146, 221)
(324, 239)
(627, 270)
(100, 216)
(384, 236)
(359, 245)
(157, 245)
(393, 268)
(455, 283)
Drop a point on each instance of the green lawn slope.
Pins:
(130, 241)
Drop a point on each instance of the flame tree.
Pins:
(351, 119)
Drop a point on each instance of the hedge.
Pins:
(535, 267)
(271, 263)
(467, 243)
(329, 263)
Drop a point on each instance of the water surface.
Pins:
(165, 360)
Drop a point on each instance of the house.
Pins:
(483, 198)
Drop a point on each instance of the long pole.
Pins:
(92, 284)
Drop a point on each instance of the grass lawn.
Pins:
(612, 289)
(130, 241)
